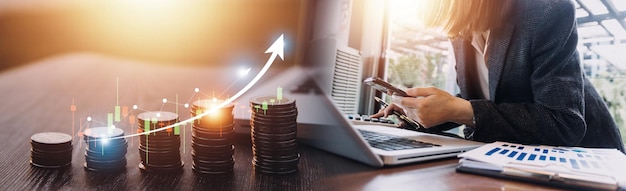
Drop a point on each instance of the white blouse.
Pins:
(479, 42)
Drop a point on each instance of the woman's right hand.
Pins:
(384, 112)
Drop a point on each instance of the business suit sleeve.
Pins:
(556, 115)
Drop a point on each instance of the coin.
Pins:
(157, 116)
(161, 168)
(277, 103)
(51, 140)
(215, 129)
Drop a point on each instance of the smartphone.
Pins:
(381, 85)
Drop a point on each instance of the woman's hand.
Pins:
(432, 106)
(384, 112)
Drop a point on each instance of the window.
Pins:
(602, 42)
(416, 56)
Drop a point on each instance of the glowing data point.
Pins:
(197, 90)
(244, 72)
(213, 111)
(164, 100)
(186, 105)
(88, 118)
(134, 106)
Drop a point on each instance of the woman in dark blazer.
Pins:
(519, 74)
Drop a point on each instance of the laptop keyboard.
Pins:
(391, 142)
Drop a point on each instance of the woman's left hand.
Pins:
(432, 106)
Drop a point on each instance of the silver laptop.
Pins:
(322, 125)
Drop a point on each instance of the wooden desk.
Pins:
(37, 98)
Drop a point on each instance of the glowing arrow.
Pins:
(277, 48)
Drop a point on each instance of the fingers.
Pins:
(432, 106)
(393, 107)
(380, 113)
(406, 102)
(384, 112)
(412, 107)
(422, 92)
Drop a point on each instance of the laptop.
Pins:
(322, 125)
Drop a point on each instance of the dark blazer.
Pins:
(538, 92)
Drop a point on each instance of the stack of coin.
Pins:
(106, 149)
(212, 137)
(159, 151)
(51, 150)
(273, 133)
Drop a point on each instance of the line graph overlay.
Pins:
(276, 49)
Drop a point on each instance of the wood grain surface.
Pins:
(37, 97)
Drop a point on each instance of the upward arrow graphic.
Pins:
(277, 48)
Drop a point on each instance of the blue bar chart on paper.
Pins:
(570, 160)
(575, 158)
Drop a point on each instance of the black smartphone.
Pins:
(381, 85)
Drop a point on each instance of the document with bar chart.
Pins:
(571, 167)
